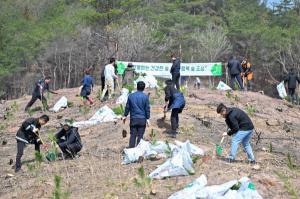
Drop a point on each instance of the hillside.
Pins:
(98, 172)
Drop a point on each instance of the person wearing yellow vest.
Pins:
(247, 74)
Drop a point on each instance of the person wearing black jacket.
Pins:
(68, 139)
(40, 87)
(240, 127)
(175, 71)
(174, 100)
(28, 133)
(292, 80)
(235, 71)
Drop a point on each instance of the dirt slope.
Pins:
(98, 172)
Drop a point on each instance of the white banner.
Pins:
(187, 69)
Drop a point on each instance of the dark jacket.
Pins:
(25, 133)
(40, 86)
(128, 76)
(234, 67)
(292, 80)
(238, 120)
(174, 97)
(87, 82)
(176, 66)
(71, 137)
(138, 106)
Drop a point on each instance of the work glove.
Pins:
(224, 134)
(148, 123)
(39, 141)
(35, 130)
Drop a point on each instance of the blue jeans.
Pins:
(244, 138)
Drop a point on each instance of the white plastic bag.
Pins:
(124, 97)
(149, 80)
(281, 90)
(192, 149)
(61, 103)
(180, 164)
(222, 86)
(223, 191)
(104, 114)
(215, 191)
(132, 154)
(189, 191)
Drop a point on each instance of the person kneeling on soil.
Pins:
(68, 139)
(240, 128)
(138, 106)
(28, 133)
(175, 101)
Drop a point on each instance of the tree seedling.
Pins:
(57, 193)
(143, 181)
(119, 110)
(153, 137)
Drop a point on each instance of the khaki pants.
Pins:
(109, 86)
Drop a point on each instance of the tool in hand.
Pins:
(219, 148)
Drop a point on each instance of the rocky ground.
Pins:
(98, 172)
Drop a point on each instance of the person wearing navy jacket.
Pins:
(235, 72)
(175, 70)
(138, 106)
(68, 139)
(240, 127)
(175, 101)
(28, 133)
(87, 87)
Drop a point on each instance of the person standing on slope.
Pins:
(138, 106)
(175, 71)
(109, 74)
(235, 72)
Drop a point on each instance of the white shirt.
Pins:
(109, 72)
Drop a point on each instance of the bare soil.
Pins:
(98, 172)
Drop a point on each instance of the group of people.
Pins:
(240, 72)
(240, 126)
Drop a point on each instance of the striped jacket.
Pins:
(25, 133)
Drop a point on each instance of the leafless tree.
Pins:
(211, 44)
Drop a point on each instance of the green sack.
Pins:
(51, 155)
(219, 149)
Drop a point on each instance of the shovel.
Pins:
(219, 148)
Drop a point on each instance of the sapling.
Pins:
(143, 181)
(57, 193)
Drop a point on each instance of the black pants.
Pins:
(70, 149)
(175, 79)
(34, 98)
(291, 91)
(20, 151)
(175, 119)
(137, 130)
(237, 78)
(292, 94)
(103, 85)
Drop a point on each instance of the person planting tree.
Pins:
(240, 127)
(174, 100)
(68, 139)
(28, 133)
(41, 86)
